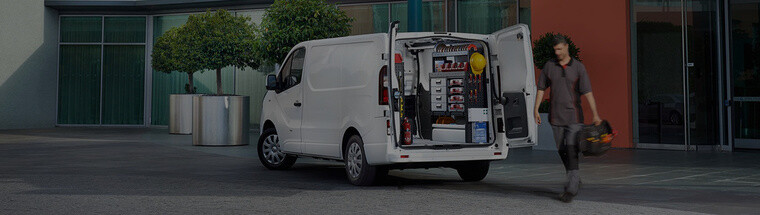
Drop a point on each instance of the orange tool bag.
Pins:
(595, 140)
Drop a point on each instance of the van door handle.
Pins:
(297, 104)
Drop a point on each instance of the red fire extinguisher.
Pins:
(407, 132)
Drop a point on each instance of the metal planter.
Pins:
(181, 113)
(220, 120)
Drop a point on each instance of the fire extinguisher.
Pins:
(407, 132)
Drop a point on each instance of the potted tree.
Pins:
(543, 51)
(289, 22)
(171, 53)
(221, 39)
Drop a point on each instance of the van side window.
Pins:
(292, 70)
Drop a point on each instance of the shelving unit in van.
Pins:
(457, 92)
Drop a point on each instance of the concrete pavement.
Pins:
(147, 171)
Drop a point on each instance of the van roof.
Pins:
(381, 36)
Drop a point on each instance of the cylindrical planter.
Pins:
(545, 135)
(220, 120)
(181, 113)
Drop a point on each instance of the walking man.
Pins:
(568, 80)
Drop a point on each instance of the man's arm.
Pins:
(592, 104)
(539, 98)
(584, 85)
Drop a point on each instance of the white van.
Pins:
(402, 100)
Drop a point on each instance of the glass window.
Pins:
(256, 15)
(292, 70)
(368, 19)
(486, 16)
(79, 84)
(525, 12)
(433, 16)
(123, 84)
(81, 29)
(124, 29)
(745, 72)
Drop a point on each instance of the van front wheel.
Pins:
(474, 170)
(357, 170)
(270, 154)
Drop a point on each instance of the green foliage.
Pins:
(543, 49)
(222, 39)
(172, 52)
(289, 22)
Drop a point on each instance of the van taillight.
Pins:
(383, 86)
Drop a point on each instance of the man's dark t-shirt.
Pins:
(567, 84)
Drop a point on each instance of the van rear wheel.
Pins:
(270, 153)
(474, 170)
(357, 170)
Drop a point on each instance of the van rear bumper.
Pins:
(385, 154)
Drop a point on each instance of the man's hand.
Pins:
(539, 98)
(597, 120)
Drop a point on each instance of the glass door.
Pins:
(744, 77)
(702, 72)
(659, 73)
(675, 68)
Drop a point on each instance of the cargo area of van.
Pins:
(447, 86)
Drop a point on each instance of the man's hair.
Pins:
(559, 39)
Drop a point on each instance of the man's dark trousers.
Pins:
(567, 144)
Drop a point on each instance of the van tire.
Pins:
(474, 170)
(267, 138)
(358, 171)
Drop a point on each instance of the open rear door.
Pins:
(394, 83)
(516, 81)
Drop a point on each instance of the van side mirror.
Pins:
(271, 82)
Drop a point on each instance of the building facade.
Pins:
(668, 74)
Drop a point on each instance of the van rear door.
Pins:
(516, 81)
(394, 84)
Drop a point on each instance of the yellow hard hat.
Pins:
(477, 63)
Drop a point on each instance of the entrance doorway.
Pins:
(675, 73)
(744, 75)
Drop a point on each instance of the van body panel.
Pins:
(512, 48)
(340, 91)
(338, 94)
(289, 116)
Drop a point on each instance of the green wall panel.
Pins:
(123, 84)
(166, 84)
(81, 29)
(79, 84)
(433, 16)
(124, 29)
(252, 83)
(486, 16)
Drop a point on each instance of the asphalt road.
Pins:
(145, 171)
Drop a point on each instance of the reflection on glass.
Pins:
(659, 71)
(525, 12)
(81, 29)
(703, 75)
(486, 16)
(433, 16)
(368, 19)
(165, 84)
(124, 29)
(745, 68)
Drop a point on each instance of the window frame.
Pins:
(287, 67)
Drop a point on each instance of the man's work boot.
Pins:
(572, 186)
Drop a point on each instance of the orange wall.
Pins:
(601, 29)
